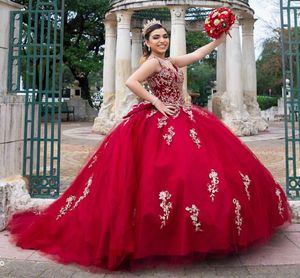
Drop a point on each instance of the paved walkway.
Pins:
(279, 258)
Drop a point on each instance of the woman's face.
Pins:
(158, 41)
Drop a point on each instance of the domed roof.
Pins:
(147, 4)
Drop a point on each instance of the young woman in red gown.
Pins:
(169, 182)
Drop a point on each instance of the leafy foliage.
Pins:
(266, 102)
(269, 68)
(83, 39)
(201, 74)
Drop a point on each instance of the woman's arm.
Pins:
(141, 74)
(198, 54)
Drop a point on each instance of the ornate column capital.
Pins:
(124, 18)
(110, 24)
(177, 14)
(247, 26)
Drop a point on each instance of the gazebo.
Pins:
(235, 101)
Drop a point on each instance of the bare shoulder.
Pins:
(173, 60)
(152, 63)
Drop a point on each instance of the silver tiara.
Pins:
(148, 24)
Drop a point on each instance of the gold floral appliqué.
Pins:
(280, 207)
(86, 191)
(151, 113)
(169, 137)
(187, 110)
(213, 185)
(194, 136)
(161, 122)
(68, 205)
(238, 220)
(166, 206)
(71, 199)
(246, 182)
(93, 161)
(194, 213)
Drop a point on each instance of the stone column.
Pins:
(136, 48)
(221, 68)
(11, 106)
(249, 72)
(234, 81)
(214, 104)
(124, 98)
(6, 7)
(233, 111)
(105, 120)
(178, 40)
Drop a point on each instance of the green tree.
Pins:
(269, 68)
(83, 39)
(203, 73)
(195, 40)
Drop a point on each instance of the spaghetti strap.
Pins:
(160, 60)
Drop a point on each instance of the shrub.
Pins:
(266, 102)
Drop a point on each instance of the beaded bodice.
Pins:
(167, 83)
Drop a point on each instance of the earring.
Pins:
(149, 49)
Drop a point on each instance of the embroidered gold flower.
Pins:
(280, 207)
(72, 198)
(238, 218)
(246, 182)
(187, 110)
(161, 122)
(213, 185)
(93, 161)
(169, 137)
(151, 113)
(68, 205)
(194, 136)
(194, 213)
(166, 206)
(85, 192)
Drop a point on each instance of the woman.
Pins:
(170, 182)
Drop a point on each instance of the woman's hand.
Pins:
(165, 109)
(223, 37)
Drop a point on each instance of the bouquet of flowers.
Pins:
(219, 21)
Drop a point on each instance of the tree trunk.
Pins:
(85, 90)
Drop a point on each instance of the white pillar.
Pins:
(249, 65)
(234, 84)
(214, 104)
(233, 112)
(105, 119)
(221, 68)
(124, 98)
(249, 73)
(178, 38)
(136, 48)
(6, 7)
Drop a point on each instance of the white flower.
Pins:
(216, 22)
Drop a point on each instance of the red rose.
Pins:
(219, 21)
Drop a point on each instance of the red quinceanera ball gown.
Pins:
(159, 188)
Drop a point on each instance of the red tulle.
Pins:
(159, 189)
(118, 221)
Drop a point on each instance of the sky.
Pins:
(266, 12)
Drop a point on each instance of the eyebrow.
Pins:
(160, 35)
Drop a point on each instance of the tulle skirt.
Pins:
(176, 188)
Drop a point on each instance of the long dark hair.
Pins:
(146, 52)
